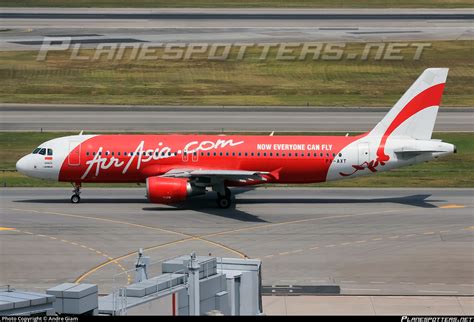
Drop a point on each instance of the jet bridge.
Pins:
(187, 285)
(190, 285)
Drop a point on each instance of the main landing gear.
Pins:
(224, 201)
(75, 198)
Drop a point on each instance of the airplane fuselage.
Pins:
(287, 159)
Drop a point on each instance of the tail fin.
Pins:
(414, 114)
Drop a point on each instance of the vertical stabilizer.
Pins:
(414, 114)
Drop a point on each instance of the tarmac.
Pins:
(113, 118)
(368, 305)
(25, 28)
(411, 242)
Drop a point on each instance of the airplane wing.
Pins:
(234, 175)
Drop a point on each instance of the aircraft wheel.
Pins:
(223, 202)
(75, 199)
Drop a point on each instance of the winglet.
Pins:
(275, 173)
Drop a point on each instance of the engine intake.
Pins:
(170, 190)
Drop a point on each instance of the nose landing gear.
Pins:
(75, 198)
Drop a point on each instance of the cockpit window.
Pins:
(50, 151)
(36, 150)
(42, 151)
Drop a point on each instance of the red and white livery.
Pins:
(175, 167)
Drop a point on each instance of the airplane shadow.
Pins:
(88, 200)
(413, 200)
(210, 208)
(206, 204)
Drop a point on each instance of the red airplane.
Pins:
(175, 167)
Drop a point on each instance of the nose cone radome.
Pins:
(22, 165)
(26, 166)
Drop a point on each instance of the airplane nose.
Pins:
(22, 165)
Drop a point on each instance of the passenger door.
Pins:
(74, 156)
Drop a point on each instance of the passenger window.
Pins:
(321, 154)
(50, 151)
(233, 154)
(118, 153)
(227, 153)
(252, 154)
(289, 154)
(296, 154)
(315, 155)
(35, 151)
(264, 154)
(340, 154)
(220, 154)
(246, 153)
(87, 153)
(258, 154)
(283, 154)
(42, 151)
(271, 154)
(240, 154)
(277, 154)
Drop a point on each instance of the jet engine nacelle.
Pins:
(170, 190)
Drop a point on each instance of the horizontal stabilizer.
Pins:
(416, 151)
